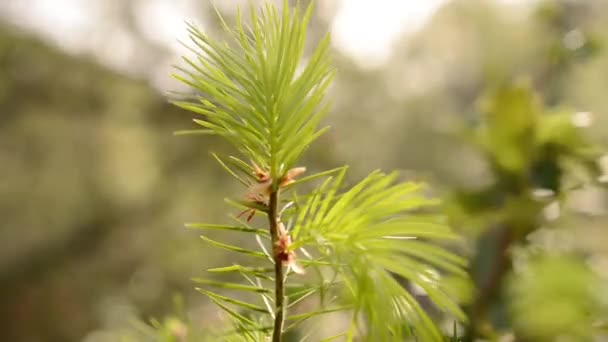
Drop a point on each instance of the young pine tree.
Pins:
(356, 251)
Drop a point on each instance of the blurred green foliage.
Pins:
(94, 188)
(556, 298)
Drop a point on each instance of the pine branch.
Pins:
(258, 94)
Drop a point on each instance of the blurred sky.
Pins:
(363, 29)
(62, 20)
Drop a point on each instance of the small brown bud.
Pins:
(291, 175)
(282, 252)
(261, 175)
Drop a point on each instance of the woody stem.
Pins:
(273, 219)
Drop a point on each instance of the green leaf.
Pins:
(239, 268)
(226, 227)
(231, 286)
(301, 318)
(304, 316)
(306, 290)
(194, 132)
(229, 170)
(244, 305)
(233, 314)
(234, 248)
(245, 168)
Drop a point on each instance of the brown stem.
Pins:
(273, 219)
(501, 265)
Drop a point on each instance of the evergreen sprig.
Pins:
(360, 248)
(256, 92)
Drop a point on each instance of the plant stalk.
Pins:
(491, 286)
(279, 294)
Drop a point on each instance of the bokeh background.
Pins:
(94, 188)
